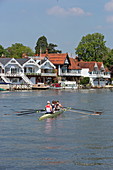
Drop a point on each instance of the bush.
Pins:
(84, 81)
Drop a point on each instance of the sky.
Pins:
(62, 22)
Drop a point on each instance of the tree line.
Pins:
(18, 49)
(92, 47)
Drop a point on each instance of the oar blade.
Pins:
(99, 113)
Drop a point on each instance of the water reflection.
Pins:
(48, 125)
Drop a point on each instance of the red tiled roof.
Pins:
(107, 70)
(74, 64)
(90, 65)
(57, 59)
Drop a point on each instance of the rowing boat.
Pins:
(53, 115)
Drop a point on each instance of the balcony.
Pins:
(32, 74)
(49, 74)
(71, 74)
(101, 75)
(10, 74)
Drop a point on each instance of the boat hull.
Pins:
(40, 86)
(45, 116)
(1, 89)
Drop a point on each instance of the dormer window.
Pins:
(45, 58)
(102, 67)
(66, 61)
(95, 67)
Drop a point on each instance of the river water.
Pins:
(72, 141)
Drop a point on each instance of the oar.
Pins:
(94, 113)
(40, 110)
(25, 113)
(99, 112)
(30, 111)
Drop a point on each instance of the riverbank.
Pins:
(12, 87)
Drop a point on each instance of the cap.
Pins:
(48, 101)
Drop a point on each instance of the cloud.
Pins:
(110, 18)
(69, 12)
(109, 6)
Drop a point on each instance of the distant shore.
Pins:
(11, 87)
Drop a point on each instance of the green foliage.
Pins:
(17, 49)
(84, 81)
(92, 47)
(51, 48)
(108, 60)
(42, 45)
(3, 52)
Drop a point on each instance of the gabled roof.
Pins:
(56, 59)
(74, 64)
(47, 63)
(39, 59)
(5, 60)
(90, 65)
(21, 61)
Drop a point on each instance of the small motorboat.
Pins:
(40, 86)
(55, 86)
(1, 89)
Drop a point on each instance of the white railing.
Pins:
(70, 74)
(11, 74)
(49, 74)
(22, 75)
(99, 75)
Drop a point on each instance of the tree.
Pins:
(3, 52)
(108, 60)
(92, 47)
(42, 45)
(51, 48)
(17, 49)
(84, 81)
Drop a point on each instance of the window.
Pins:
(31, 62)
(30, 69)
(14, 70)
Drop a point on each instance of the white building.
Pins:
(48, 67)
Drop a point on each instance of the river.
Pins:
(72, 141)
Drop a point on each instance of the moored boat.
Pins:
(40, 86)
(55, 86)
(69, 85)
(53, 115)
(1, 89)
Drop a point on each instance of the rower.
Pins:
(48, 108)
(53, 106)
(58, 106)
